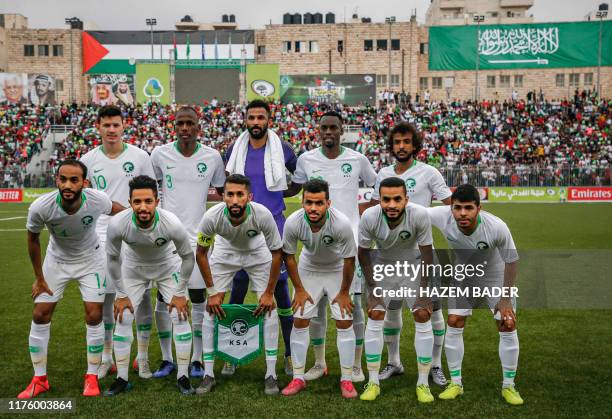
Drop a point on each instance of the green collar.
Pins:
(339, 154)
(387, 219)
(248, 211)
(122, 151)
(150, 228)
(58, 200)
(308, 219)
(176, 147)
(414, 163)
(478, 221)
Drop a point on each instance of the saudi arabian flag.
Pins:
(239, 335)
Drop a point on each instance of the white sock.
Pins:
(182, 343)
(391, 335)
(122, 343)
(38, 344)
(144, 319)
(299, 350)
(359, 327)
(423, 345)
(318, 330)
(197, 318)
(509, 355)
(108, 315)
(453, 348)
(271, 342)
(95, 346)
(439, 329)
(163, 322)
(208, 346)
(373, 348)
(345, 341)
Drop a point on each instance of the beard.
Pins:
(402, 159)
(77, 195)
(393, 219)
(236, 215)
(259, 134)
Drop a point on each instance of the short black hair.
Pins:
(332, 114)
(466, 193)
(258, 103)
(392, 182)
(187, 108)
(237, 179)
(316, 186)
(143, 182)
(109, 111)
(73, 162)
(406, 128)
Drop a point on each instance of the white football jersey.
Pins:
(113, 176)
(155, 245)
(423, 183)
(185, 181)
(400, 242)
(342, 173)
(325, 250)
(73, 237)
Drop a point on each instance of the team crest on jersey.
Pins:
(202, 168)
(410, 184)
(87, 220)
(482, 245)
(239, 327)
(251, 233)
(346, 169)
(128, 167)
(404, 235)
(327, 240)
(159, 242)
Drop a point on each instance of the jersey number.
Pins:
(103, 285)
(169, 181)
(100, 182)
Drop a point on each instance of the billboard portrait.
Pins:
(13, 88)
(41, 89)
(350, 89)
(112, 89)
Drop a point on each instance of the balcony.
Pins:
(452, 4)
(516, 3)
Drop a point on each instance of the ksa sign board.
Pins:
(541, 45)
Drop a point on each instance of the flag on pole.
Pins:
(216, 47)
(230, 45)
(188, 49)
(174, 47)
(202, 41)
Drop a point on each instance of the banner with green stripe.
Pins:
(239, 335)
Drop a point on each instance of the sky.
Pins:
(117, 15)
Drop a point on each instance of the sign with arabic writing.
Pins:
(527, 194)
(541, 45)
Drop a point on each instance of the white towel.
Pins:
(274, 160)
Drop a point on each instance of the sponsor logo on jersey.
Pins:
(97, 170)
(346, 169)
(128, 167)
(410, 184)
(404, 235)
(202, 168)
(251, 233)
(239, 327)
(327, 240)
(170, 167)
(87, 220)
(482, 245)
(159, 242)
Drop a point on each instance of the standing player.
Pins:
(246, 238)
(401, 231)
(264, 158)
(111, 166)
(423, 184)
(153, 238)
(73, 253)
(470, 230)
(185, 169)
(327, 265)
(342, 168)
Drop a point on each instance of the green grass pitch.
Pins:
(564, 367)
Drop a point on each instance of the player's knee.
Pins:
(421, 315)
(42, 313)
(456, 321)
(343, 324)
(507, 326)
(301, 323)
(376, 315)
(196, 295)
(93, 313)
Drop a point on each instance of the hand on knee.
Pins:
(456, 321)
(421, 315)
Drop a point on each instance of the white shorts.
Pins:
(318, 284)
(89, 274)
(223, 267)
(464, 305)
(396, 302)
(137, 279)
(196, 282)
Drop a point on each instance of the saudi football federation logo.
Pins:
(404, 235)
(251, 233)
(346, 169)
(128, 167)
(327, 240)
(159, 242)
(87, 220)
(482, 245)
(202, 168)
(239, 327)
(410, 184)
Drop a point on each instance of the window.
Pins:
(261, 49)
(368, 45)
(493, 14)
(423, 48)
(59, 85)
(313, 46)
(43, 50)
(381, 45)
(504, 81)
(490, 81)
(588, 79)
(297, 44)
(518, 80)
(509, 14)
(58, 50)
(423, 85)
(381, 80)
(395, 80)
(560, 80)
(436, 82)
(287, 46)
(395, 45)
(28, 50)
(341, 46)
(574, 79)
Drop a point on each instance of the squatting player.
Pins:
(185, 169)
(469, 230)
(73, 253)
(246, 237)
(401, 232)
(111, 166)
(153, 237)
(327, 265)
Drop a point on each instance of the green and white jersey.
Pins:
(400, 242)
(491, 233)
(256, 236)
(423, 183)
(325, 250)
(113, 176)
(185, 181)
(73, 237)
(155, 245)
(342, 173)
